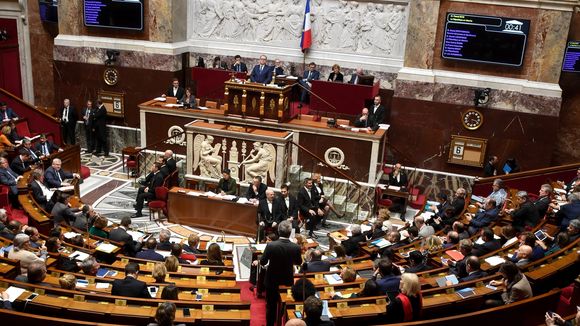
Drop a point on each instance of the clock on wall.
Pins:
(111, 76)
(472, 119)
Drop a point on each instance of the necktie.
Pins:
(356, 80)
(32, 154)
(261, 67)
(45, 147)
(87, 116)
(12, 175)
(310, 72)
(5, 115)
(58, 174)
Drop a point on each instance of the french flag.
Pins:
(306, 40)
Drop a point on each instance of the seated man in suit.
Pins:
(238, 65)
(46, 147)
(175, 90)
(364, 120)
(170, 161)
(316, 264)
(351, 246)
(355, 78)
(526, 214)
(227, 185)
(459, 268)
(7, 113)
(149, 252)
(398, 177)
(543, 202)
(54, 176)
(417, 262)
(522, 256)
(306, 82)
(90, 266)
(40, 192)
(569, 211)
(192, 243)
(390, 278)
(308, 204)
(490, 168)
(35, 275)
(473, 268)
(164, 240)
(257, 190)
(119, 234)
(261, 73)
(21, 163)
(483, 218)
(289, 206)
(489, 243)
(130, 286)
(34, 157)
(148, 192)
(278, 67)
(269, 213)
(10, 178)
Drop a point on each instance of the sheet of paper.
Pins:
(495, 260)
(70, 235)
(102, 285)
(80, 256)
(333, 279)
(384, 126)
(136, 234)
(14, 292)
(160, 99)
(364, 228)
(106, 247)
(202, 108)
(260, 246)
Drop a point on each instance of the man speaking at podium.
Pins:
(262, 73)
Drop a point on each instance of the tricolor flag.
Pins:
(306, 40)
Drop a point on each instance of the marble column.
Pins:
(421, 31)
(70, 17)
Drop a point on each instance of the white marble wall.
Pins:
(350, 32)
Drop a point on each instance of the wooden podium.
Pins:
(248, 99)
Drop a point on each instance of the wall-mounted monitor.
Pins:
(48, 10)
(118, 14)
(487, 39)
(572, 57)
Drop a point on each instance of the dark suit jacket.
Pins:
(402, 179)
(34, 155)
(379, 115)
(8, 178)
(156, 181)
(306, 202)
(486, 247)
(527, 214)
(473, 276)
(164, 246)
(541, 205)
(458, 204)
(351, 245)
(149, 254)
(52, 147)
(489, 170)
(267, 216)
(339, 77)
(37, 193)
(72, 116)
(282, 255)
(192, 250)
(484, 218)
(368, 122)
(100, 119)
(263, 77)
(314, 75)
(18, 166)
(279, 71)
(318, 266)
(119, 234)
(239, 68)
(51, 179)
(89, 121)
(62, 213)
(567, 213)
(291, 211)
(9, 113)
(171, 164)
(180, 92)
(251, 194)
(130, 287)
(352, 78)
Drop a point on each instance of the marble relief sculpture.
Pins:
(261, 161)
(346, 26)
(206, 156)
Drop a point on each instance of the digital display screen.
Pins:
(120, 14)
(487, 39)
(48, 10)
(572, 57)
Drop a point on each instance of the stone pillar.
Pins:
(421, 31)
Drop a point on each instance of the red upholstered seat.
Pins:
(16, 215)
(382, 202)
(160, 203)
(131, 166)
(85, 172)
(418, 200)
(4, 196)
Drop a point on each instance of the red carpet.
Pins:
(258, 306)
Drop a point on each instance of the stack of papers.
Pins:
(333, 279)
(80, 256)
(243, 200)
(160, 99)
(70, 235)
(442, 281)
(384, 126)
(136, 235)
(106, 248)
(494, 260)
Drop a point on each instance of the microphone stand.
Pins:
(320, 98)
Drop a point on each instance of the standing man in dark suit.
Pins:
(45, 147)
(119, 234)
(21, 163)
(9, 178)
(54, 175)
(269, 213)
(262, 73)
(148, 192)
(490, 168)
(175, 90)
(378, 112)
(170, 161)
(278, 68)
(306, 82)
(238, 65)
(289, 206)
(257, 190)
(87, 114)
(281, 256)
(100, 128)
(68, 121)
(7, 113)
(130, 286)
(309, 207)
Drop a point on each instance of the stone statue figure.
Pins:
(261, 161)
(206, 156)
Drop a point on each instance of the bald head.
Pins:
(419, 221)
(524, 251)
(295, 322)
(168, 153)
